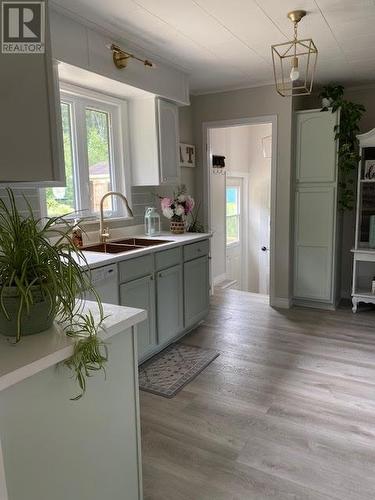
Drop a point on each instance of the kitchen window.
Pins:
(233, 214)
(94, 156)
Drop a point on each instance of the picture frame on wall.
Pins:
(187, 155)
(369, 170)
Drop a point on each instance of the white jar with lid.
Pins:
(152, 222)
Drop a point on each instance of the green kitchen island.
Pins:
(52, 448)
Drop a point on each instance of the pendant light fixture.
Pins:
(294, 62)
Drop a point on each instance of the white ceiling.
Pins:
(225, 44)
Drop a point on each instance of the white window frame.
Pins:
(237, 215)
(80, 98)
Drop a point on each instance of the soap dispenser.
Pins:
(152, 222)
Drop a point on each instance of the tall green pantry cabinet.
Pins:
(316, 218)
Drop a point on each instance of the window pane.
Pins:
(99, 158)
(232, 201)
(61, 200)
(233, 234)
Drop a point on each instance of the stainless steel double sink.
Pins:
(121, 246)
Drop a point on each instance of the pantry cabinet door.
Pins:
(316, 148)
(315, 228)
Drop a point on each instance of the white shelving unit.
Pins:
(364, 256)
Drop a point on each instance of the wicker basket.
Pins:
(177, 227)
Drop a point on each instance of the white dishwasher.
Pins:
(105, 282)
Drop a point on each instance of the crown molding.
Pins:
(231, 89)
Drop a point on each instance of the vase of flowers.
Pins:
(177, 209)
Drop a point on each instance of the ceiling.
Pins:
(225, 44)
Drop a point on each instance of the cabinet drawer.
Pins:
(167, 258)
(195, 250)
(136, 268)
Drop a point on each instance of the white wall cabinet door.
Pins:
(154, 142)
(168, 142)
(31, 142)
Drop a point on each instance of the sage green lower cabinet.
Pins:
(169, 300)
(196, 290)
(173, 287)
(140, 293)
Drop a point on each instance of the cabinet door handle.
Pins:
(151, 278)
(160, 275)
(199, 250)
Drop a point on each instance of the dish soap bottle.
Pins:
(152, 222)
(77, 237)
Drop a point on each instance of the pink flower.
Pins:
(165, 203)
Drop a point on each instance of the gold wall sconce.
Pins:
(121, 57)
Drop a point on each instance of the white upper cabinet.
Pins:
(168, 135)
(316, 156)
(154, 139)
(30, 131)
(69, 41)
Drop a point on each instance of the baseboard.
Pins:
(280, 302)
(314, 304)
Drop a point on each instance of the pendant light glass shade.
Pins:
(294, 62)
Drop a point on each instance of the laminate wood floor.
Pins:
(286, 412)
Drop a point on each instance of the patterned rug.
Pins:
(167, 372)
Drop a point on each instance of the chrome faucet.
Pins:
(104, 233)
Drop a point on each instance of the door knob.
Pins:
(264, 249)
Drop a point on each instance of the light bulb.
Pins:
(294, 73)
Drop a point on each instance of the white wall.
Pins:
(219, 146)
(242, 147)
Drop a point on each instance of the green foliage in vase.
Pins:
(346, 135)
(40, 254)
(195, 226)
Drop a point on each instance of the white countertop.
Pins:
(35, 353)
(97, 259)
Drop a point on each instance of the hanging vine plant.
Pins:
(346, 134)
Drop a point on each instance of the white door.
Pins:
(234, 231)
(264, 253)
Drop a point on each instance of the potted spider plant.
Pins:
(43, 278)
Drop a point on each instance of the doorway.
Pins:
(241, 205)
